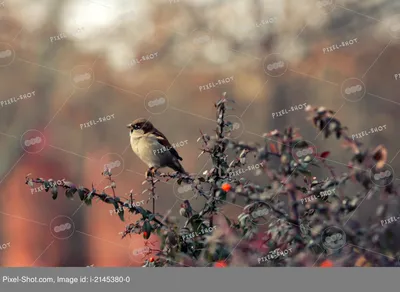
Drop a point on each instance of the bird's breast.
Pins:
(147, 149)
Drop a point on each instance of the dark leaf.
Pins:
(109, 200)
(47, 186)
(82, 193)
(69, 193)
(196, 221)
(121, 215)
(321, 124)
(54, 191)
(88, 199)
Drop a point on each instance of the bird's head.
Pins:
(140, 127)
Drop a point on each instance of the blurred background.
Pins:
(73, 73)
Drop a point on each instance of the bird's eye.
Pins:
(136, 127)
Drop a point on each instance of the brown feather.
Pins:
(164, 141)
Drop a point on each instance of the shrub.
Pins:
(293, 220)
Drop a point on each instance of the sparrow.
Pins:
(152, 147)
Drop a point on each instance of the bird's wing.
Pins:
(164, 141)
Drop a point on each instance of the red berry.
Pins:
(151, 260)
(226, 187)
(220, 264)
(326, 264)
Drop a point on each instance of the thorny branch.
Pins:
(210, 237)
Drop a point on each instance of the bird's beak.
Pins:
(129, 126)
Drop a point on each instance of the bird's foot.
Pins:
(151, 172)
